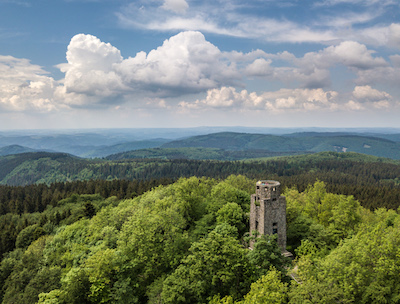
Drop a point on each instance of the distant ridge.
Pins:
(103, 143)
(342, 142)
(124, 147)
(199, 153)
(25, 165)
(15, 149)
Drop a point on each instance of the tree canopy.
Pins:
(187, 242)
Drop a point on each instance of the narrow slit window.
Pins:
(275, 228)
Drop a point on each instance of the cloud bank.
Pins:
(278, 101)
(25, 86)
(185, 63)
(97, 76)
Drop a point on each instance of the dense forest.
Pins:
(37, 204)
(176, 230)
(200, 154)
(373, 181)
(187, 242)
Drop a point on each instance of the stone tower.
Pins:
(268, 211)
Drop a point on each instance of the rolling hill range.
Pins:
(392, 136)
(292, 143)
(98, 143)
(14, 149)
(373, 180)
(81, 144)
(199, 153)
(104, 151)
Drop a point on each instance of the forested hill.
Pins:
(392, 136)
(29, 168)
(372, 180)
(14, 149)
(292, 143)
(231, 145)
(199, 153)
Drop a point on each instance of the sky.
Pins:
(189, 63)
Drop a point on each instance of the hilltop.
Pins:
(14, 149)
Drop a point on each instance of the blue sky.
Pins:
(182, 63)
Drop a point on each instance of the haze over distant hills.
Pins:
(257, 142)
(263, 145)
(14, 149)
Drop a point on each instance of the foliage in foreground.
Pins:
(41, 208)
(187, 243)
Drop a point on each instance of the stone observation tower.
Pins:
(268, 211)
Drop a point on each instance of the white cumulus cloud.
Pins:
(281, 100)
(351, 54)
(96, 75)
(313, 69)
(369, 94)
(90, 68)
(185, 63)
(366, 94)
(353, 105)
(25, 86)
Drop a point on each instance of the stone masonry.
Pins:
(268, 211)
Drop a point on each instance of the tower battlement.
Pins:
(267, 189)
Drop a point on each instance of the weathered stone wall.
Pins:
(268, 211)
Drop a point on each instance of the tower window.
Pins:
(275, 228)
